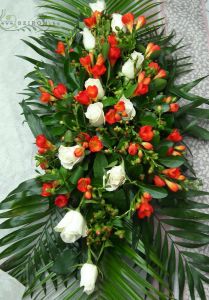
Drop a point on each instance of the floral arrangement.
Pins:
(114, 178)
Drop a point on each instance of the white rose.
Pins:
(117, 22)
(129, 108)
(72, 227)
(67, 157)
(115, 177)
(98, 6)
(132, 65)
(95, 114)
(97, 83)
(89, 275)
(89, 40)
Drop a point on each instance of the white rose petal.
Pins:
(117, 22)
(129, 108)
(89, 40)
(132, 65)
(95, 114)
(67, 157)
(114, 178)
(97, 83)
(72, 227)
(89, 275)
(98, 6)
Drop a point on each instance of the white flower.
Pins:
(89, 275)
(114, 178)
(89, 40)
(72, 227)
(117, 22)
(132, 65)
(97, 83)
(95, 114)
(98, 6)
(129, 108)
(67, 157)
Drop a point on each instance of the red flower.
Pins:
(110, 116)
(61, 201)
(154, 65)
(145, 210)
(114, 54)
(170, 151)
(158, 181)
(112, 40)
(120, 106)
(133, 149)
(175, 136)
(83, 98)
(79, 151)
(60, 91)
(161, 74)
(128, 20)
(146, 133)
(147, 197)
(174, 187)
(84, 184)
(88, 195)
(92, 92)
(90, 22)
(141, 89)
(151, 48)
(140, 22)
(41, 141)
(174, 107)
(46, 189)
(174, 173)
(95, 144)
(83, 137)
(98, 70)
(147, 146)
(60, 48)
(86, 63)
(45, 97)
(43, 165)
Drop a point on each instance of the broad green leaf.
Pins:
(172, 161)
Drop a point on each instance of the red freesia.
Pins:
(146, 133)
(174, 187)
(86, 62)
(174, 107)
(92, 92)
(60, 91)
(98, 70)
(91, 21)
(114, 54)
(111, 116)
(147, 146)
(46, 189)
(133, 149)
(145, 210)
(161, 74)
(112, 40)
(154, 65)
(175, 136)
(158, 181)
(84, 184)
(95, 144)
(83, 98)
(61, 201)
(151, 48)
(128, 20)
(141, 89)
(174, 173)
(60, 48)
(141, 21)
(45, 97)
(120, 106)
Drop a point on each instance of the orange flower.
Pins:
(79, 151)
(151, 48)
(61, 201)
(43, 144)
(60, 48)
(141, 21)
(175, 136)
(98, 70)
(161, 74)
(133, 149)
(114, 54)
(45, 97)
(91, 21)
(100, 60)
(158, 181)
(46, 189)
(128, 20)
(141, 89)
(86, 62)
(174, 107)
(95, 144)
(120, 106)
(145, 210)
(110, 116)
(92, 92)
(83, 98)
(60, 91)
(147, 146)
(84, 184)
(146, 133)
(172, 173)
(154, 65)
(174, 187)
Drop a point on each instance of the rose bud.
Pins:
(133, 149)
(147, 146)
(175, 136)
(174, 107)
(61, 201)
(174, 187)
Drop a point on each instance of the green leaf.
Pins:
(172, 161)
(100, 163)
(181, 277)
(66, 262)
(158, 84)
(130, 91)
(148, 120)
(76, 174)
(157, 193)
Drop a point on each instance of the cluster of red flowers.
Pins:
(129, 21)
(94, 144)
(43, 144)
(144, 208)
(116, 114)
(53, 93)
(87, 96)
(96, 70)
(84, 186)
(92, 21)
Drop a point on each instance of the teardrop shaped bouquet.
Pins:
(110, 208)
